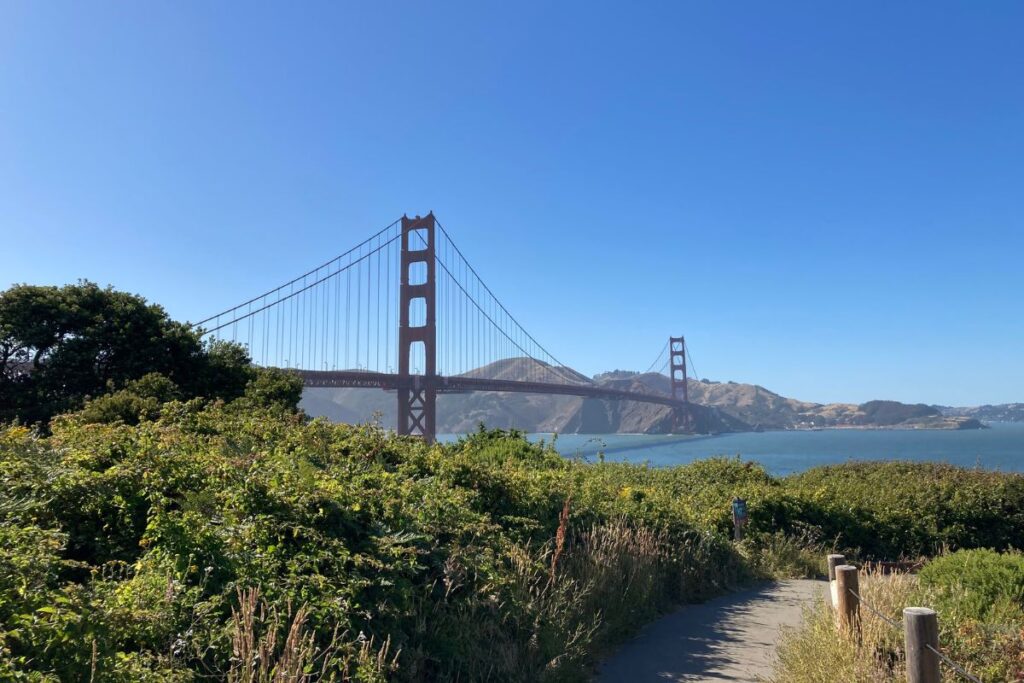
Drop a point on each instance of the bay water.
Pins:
(1000, 447)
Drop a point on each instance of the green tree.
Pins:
(59, 346)
(272, 387)
(140, 399)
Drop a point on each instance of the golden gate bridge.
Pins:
(404, 311)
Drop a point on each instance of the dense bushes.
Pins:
(978, 584)
(132, 551)
(178, 547)
(893, 509)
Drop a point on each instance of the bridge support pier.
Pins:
(417, 395)
(680, 388)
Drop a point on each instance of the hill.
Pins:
(1005, 412)
(461, 413)
(716, 407)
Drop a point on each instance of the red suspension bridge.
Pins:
(404, 311)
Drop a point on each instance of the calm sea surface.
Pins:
(1001, 447)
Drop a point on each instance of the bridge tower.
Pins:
(680, 390)
(417, 394)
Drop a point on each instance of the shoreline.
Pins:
(836, 428)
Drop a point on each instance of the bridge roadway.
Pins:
(460, 383)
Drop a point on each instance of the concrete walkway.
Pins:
(730, 638)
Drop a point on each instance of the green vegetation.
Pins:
(156, 551)
(889, 510)
(171, 516)
(61, 345)
(186, 545)
(980, 602)
(982, 585)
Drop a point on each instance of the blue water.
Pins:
(999, 448)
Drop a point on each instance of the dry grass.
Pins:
(624, 571)
(560, 536)
(781, 556)
(585, 591)
(629, 573)
(817, 652)
(258, 656)
(992, 650)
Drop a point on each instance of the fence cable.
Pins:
(949, 662)
(874, 611)
(953, 665)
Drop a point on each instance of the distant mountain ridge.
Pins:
(716, 407)
(1003, 412)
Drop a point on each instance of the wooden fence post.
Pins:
(921, 629)
(834, 561)
(849, 604)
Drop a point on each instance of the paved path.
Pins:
(730, 638)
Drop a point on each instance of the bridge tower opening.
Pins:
(680, 388)
(417, 393)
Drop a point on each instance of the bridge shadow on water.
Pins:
(634, 447)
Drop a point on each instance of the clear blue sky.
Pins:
(826, 198)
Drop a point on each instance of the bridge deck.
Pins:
(459, 383)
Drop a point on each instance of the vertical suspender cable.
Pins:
(359, 308)
(291, 330)
(302, 329)
(369, 269)
(325, 334)
(308, 330)
(387, 310)
(377, 313)
(266, 333)
(337, 316)
(248, 340)
(348, 309)
(314, 301)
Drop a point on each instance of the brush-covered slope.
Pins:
(715, 407)
(460, 413)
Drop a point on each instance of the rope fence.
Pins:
(954, 666)
(891, 622)
(920, 625)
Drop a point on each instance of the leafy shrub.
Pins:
(140, 399)
(978, 584)
(888, 510)
(128, 547)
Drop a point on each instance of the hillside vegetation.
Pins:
(227, 541)
(716, 407)
(1006, 412)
